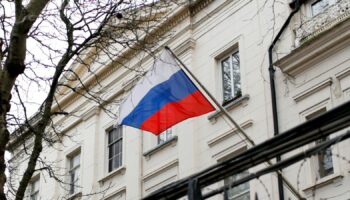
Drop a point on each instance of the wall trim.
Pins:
(116, 192)
(312, 90)
(217, 139)
(159, 170)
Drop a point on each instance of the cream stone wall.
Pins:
(215, 30)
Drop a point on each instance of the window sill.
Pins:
(74, 196)
(324, 181)
(120, 170)
(235, 103)
(159, 147)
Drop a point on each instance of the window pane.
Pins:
(34, 196)
(75, 161)
(35, 186)
(34, 193)
(75, 180)
(119, 133)
(227, 79)
(110, 165)
(325, 160)
(74, 173)
(240, 192)
(236, 74)
(319, 6)
(165, 136)
(115, 148)
(231, 77)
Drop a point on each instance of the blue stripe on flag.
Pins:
(177, 87)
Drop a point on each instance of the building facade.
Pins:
(224, 43)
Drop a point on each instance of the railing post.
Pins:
(225, 194)
(194, 191)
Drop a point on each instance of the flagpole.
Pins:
(218, 105)
(228, 116)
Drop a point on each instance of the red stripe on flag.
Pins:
(172, 113)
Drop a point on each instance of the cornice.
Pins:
(125, 56)
(316, 50)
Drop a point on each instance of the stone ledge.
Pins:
(120, 170)
(223, 136)
(159, 147)
(75, 196)
(324, 181)
(312, 90)
(235, 103)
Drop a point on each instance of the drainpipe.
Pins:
(295, 5)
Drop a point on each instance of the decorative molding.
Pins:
(346, 91)
(120, 171)
(198, 5)
(116, 192)
(312, 90)
(160, 184)
(232, 149)
(75, 196)
(70, 125)
(188, 44)
(217, 139)
(227, 48)
(323, 103)
(161, 169)
(324, 181)
(235, 103)
(310, 53)
(226, 9)
(90, 112)
(73, 151)
(159, 147)
(312, 26)
(344, 73)
(176, 16)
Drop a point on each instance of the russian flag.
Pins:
(164, 97)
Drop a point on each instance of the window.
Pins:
(115, 148)
(231, 78)
(324, 158)
(165, 136)
(325, 162)
(34, 189)
(240, 192)
(74, 173)
(319, 6)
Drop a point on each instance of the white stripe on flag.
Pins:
(164, 67)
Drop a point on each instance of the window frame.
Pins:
(110, 145)
(234, 94)
(321, 156)
(73, 186)
(241, 193)
(313, 3)
(169, 134)
(316, 162)
(234, 152)
(36, 192)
